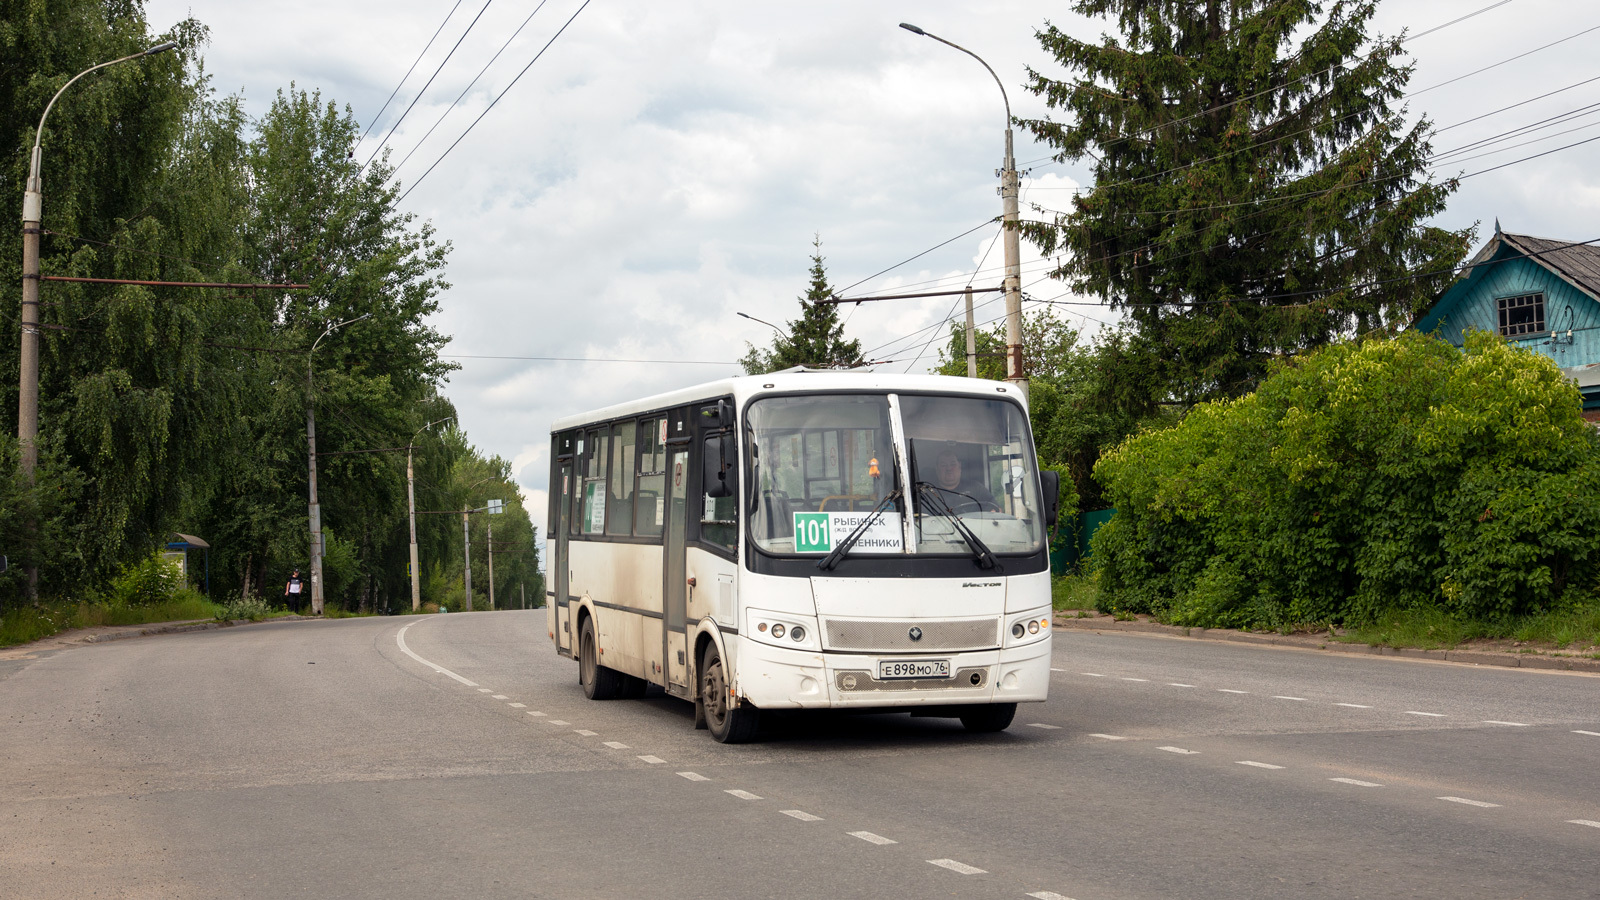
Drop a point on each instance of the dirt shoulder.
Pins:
(1505, 653)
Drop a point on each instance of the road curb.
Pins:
(1108, 625)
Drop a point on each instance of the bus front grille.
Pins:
(896, 636)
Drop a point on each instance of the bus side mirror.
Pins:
(1051, 482)
(717, 465)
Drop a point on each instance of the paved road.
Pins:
(321, 759)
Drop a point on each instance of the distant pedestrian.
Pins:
(292, 590)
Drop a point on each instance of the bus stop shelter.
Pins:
(187, 542)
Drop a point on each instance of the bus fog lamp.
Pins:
(798, 632)
(777, 631)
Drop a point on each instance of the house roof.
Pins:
(1578, 264)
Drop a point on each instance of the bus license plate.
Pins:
(889, 670)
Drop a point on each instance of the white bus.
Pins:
(805, 540)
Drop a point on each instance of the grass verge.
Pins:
(30, 623)
(1576, 630)
(1075, 593)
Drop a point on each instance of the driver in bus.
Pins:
(962, 495)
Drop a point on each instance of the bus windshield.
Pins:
(823, 464)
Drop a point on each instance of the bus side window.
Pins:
(619, 502)
(648, 501)
(594, 484)
(719, 516)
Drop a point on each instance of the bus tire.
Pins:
(989, 718)
(599, 682)
(727, 723)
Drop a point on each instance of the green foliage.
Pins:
(148, 582)
(251, 607)
(1359, 480)
(1257, 189)
(816, 339)
(1075, 592)
(31, 623)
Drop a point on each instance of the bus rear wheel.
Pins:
(599, 682)
(727, 723)
(989, 718)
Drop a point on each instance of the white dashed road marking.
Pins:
(1513, 724)
(499, 697)
(1227, 691)
(400, 639)
(694, 776)
(653, 760)
(958, 867)
(1591, 824)
(1178, 750)
(485, 690)
(519, 706)
(1469, 802)
(1259, 765)
(1108, 737)
(1354, 705)
(871, 838)
(742, 795)
(617, 745)
(1044, 726)
(1135, 679)
(584, 731)
(802, 816)
(1092, 674)
(1412, 712)
(1280, 697)
(1057, 670)
(559, 722)
(1169, 684)
(1355, 782)
(1589, 733)
(535, 712)
(1048, 895)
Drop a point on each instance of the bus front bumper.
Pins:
(778, 678)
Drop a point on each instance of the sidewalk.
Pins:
(1508, 657)
(99, 634)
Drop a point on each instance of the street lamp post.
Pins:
(1008, 194)
(411, 503)
(311, 445)
(32, 215)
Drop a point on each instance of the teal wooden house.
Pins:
(1537, 293)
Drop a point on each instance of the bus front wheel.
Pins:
(599, 682)
(728, 723)
(989, 718)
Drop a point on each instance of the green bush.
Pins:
(251, 607)
(149, 582)
(1359, 480)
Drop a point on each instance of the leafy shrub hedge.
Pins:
(1360, 479)
(149, 582)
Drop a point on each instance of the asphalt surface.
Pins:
(321, 759)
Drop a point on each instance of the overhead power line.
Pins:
(587, 359)
(494, 101)
(413, 68)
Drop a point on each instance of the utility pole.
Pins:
(1012, 227)
(28, 370)
(315, 516)
(490, 543)
(972, 345)
(466, 543)
(411, 505)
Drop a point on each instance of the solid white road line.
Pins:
(742, 795)
(1169, 684)
(1513, 724)
(1281, 697)
(400, 638)
(693, 776)
(1354, 705)
(1588, 822)
(1044, 726)
(1108, 737)
(802, 816)
(1355, 782)
(1589, 733)
(518, 705)
(959, 867)
(871, 838)
(617, 745)
(1135, 679)
(1259, 765)
(1048, 895)
(499, 697)
(653, 760)
(1178, 750)
(1412, 712)
(1227, 691)
(1469, 802)
(585, 732)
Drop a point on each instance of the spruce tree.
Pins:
(816, 339)
(1256, 189)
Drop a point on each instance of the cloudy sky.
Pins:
(664, 166)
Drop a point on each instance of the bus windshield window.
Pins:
(974, 455)
(817, 453)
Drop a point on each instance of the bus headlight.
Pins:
(1027, 629)
(798, 632)
(781, 629)
(778, 630)
(1017, 631)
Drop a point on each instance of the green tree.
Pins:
(816, 339)
(1256, 189)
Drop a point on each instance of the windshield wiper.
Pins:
(843, 547)
(932, 500)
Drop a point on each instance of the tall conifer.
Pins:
(816, 339)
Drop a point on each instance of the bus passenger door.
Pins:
(674, 592)
(558, 563)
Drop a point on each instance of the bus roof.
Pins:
(790, 381)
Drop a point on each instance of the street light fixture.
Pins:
(1008, 194)
(411, 502)
(32, 214)
(764, 322)
(311, 443)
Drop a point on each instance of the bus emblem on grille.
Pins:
(915, 633)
